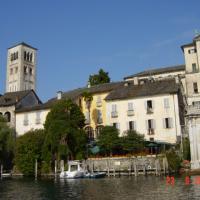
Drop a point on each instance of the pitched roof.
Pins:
(155, 71)
(11, 98)
(74, 94)
(147, 89)
(23, 44)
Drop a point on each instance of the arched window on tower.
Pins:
(27, 56)
(7, 115)
(24, 55)
(31, 57)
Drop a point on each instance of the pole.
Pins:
(1, 171)
(36, 168)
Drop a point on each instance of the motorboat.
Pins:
(95, 174)
(75, 170)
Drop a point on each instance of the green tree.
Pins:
(174, 160)
(64, 132)
(101, 77)
(6, 143)
(186, 149)
(108, 139)
(132, 142)
(28, 149)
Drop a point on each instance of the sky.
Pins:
(75, 38)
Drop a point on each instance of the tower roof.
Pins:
(23, 44)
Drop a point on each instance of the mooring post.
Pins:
(36, 168)
(108, 170)
(1, 173)
(55, 168)
(135, 169)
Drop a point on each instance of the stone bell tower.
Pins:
(21, 68)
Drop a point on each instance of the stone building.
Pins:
(21, 68)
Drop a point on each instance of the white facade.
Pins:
(30, 120)
(164, 108)
(21, 68)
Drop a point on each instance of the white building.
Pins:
(21, 68)
(153, 109)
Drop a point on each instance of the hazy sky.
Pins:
(76, 37)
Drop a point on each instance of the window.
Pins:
(194, 68)
(98, 130)
(149, 105)
(99, 117)
(87, 118)
(195, 87)
(25, 119)
(24, 55)
(31, 57)
(90, 133)
(131, 125)
(116, 125)
(98, 102)
(114, 111)
(166, 103)
(196, 103)
(7, 115)
(130, 106)
(25, 69)
(190, 51)
(38, 119)
(168, 122)
(30, 71)
(150, 125)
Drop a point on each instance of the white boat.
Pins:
(75, 170)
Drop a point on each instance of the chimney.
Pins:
(59, 95)
(135, 79)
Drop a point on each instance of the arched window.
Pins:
(7, 116)
(98, 130)
(27, 56)
(24, 55)
(90, 132)
(31, 57)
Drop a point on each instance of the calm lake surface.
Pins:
(118, 188)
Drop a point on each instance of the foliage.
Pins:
(186, 149)
(108, 139)
(6, 143)
(132, 142)
(87, 98)
(174, 161)
(28, 149)
(64, 135)
(101, 77)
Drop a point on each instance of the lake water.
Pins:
(118, 188)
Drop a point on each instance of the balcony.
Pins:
(114, 114)
(150, 131)
(130, 112)
(149, 110)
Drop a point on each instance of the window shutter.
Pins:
(164, 123)
(146, 122)
(153, 104)
(127, 126)
(135, 128)
(171, 122)
(154, 123)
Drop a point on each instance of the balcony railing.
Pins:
(149, 110)
(150, 131)
(114, 114)
(130, 112)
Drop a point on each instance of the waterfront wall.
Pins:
(133, 165)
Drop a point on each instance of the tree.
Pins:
(63, 127)
(101, 77)
(108, 139)
(132, 142)
(28, 149)
(6, 143)
(186, 149)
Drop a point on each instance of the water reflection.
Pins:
(125, 188)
